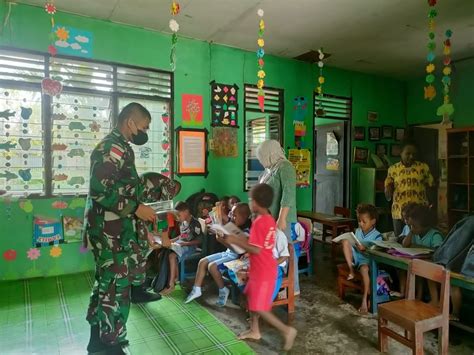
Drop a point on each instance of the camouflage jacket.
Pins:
(114, 189)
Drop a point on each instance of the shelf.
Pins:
(458, 210)
(464, 156)
(459, 183)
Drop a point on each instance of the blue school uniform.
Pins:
(366, 240)
(432, 239)
(405, 231)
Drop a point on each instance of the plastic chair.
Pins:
(309, 268)
(200, 253)
(417, 317)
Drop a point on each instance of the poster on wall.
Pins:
(224, 142)
(72, 228)
(191, 107)
(332, 145)
(301, 160)
(224, 105)
(47, 232)
(192, 153)
(73, 41)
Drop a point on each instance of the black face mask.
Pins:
(140, 138)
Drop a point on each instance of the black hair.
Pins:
(365, 208)
(182, 206)
(244, 208)
(262, 194)
(131, 109)
(409, 143)
(422, 215)
(407, 208)
(235, 198)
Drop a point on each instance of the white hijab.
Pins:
(270, 154)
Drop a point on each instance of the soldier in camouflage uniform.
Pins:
(110, 230)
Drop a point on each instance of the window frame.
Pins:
(279, 111)
(115, 95)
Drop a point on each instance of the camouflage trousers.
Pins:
(120, 263)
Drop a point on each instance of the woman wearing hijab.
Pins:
(281, 176)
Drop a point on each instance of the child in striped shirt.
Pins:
(366, 233)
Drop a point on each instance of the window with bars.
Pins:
(332, 107)
(259, 127)
(46, 142)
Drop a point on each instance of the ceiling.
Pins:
(385, 37)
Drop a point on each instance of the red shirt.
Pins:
(263, 266)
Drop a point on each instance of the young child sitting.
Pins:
(263, 266)
(425, 236)
(366, 233)
(185, 244)
(211, 263)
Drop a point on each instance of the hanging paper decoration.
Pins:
(174, 27)
(224, 105)
(50, 9)
(430, 90)
(447, 108)
(56, 251)
(261, 62)
(319, 89)
(9, 255)
(33, 254)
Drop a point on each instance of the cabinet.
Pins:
(460, 163)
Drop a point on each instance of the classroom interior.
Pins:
(340, 84)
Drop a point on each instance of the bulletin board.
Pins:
(192, 151)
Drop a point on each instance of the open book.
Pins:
(412, 252)
(162, 207)
(387, 244)
(230, 229)
(177, 248)
(350, 236)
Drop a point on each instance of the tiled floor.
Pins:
(47, 316)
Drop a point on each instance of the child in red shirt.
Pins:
(263, 266)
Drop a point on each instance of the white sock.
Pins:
(197, 289)
(222, 290)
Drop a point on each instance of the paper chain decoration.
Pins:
(174, 27)
(321, 80)
(446, 109)
(261, 63)
(50, 9)
(430, 90)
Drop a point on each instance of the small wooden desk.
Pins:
(380, 257)
(332, 221)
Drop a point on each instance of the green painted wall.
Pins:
(198, 63)
(462, 96)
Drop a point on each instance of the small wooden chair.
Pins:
(341, 212)
(343, 283)
(288, 284)
(414, 316)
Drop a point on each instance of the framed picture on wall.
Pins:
(192, 151)
(361, 155)
(359, 133)
(387, 132)
(374, 133)
(372, 116)
(395, 150)
(399, 134)
(381, 149)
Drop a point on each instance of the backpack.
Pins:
(161, 281)
(201, 201)
(457, 247)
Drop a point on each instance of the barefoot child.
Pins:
(241, 218)
(263, 266)
(366, 233)
(425, 236)
(189, 239)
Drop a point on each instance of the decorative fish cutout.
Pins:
(58, 146)
(76, 125)
(94, 126)
(25, 143)
(26, 112)
(7, 114)
(7, 146)
(8, 175)
(60, 177)
(25, 174)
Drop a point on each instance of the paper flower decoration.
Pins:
(33, 254)
(56, 251)
(261, 74)
(174, 26)
(446, 109)
(430, 68)
(260, 42)
(50, 8)
(62, 34)
(260, 12)
(447, 70)
(260, 53)
(9, 255)
(261, 63)
(175, 8)
(260, 84)
(321, 79)
(430, 91)
(52, 50)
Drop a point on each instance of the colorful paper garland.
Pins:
(430, 90)
(447, 108)
(51, 9)
(174, 27)
(261, 62)
(321, 80)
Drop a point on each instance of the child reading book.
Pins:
(406, 210)
(241, 218)
(185, 244)
(423, 234)
(365, 234)
(263, 266)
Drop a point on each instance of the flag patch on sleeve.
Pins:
(116, 152)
